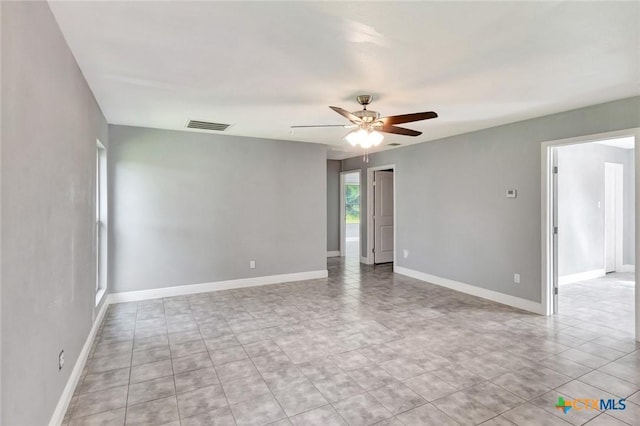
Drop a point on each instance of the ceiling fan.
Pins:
(369, 123)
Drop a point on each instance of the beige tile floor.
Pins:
(364, 346)
(610, 299)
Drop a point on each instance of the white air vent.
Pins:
(205, 125)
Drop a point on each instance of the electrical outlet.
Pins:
(252, 264)
(61, 360)
(516, 278)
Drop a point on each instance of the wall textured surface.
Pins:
(191, 208)
(50, 123)
(581, 206)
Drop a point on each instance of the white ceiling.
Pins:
(263, 66)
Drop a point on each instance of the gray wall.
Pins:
(190, 208)
(580, 219)
(50, 125)
(333, 205)
(451, 212)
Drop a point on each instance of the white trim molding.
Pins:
(181, 290)
(74, 377)
(505, 299)
(628, 268)
(333, 253)
(365, 260)
(100, 295)
(581, 276)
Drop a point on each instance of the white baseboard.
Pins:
(156, 293)
(505, 299)
(581, 276)
(628, 268)
(334, 253)
(74, 377)
(365, 260)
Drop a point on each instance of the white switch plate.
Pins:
(516, 278)
(252, 264)
(512, 193)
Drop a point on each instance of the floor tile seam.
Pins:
(604, 413)
(397, 414)
(73, 417)
(604, 390)
(192, 353)
(270, 391)
(155, 378)
(126, 412)
(175, 388)
(334, 403)
(107, 388)
(584, 365)
(216, 371)
(151, 400)
(83, 377)
(526, 400)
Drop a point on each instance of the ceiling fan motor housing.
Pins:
(367, 115)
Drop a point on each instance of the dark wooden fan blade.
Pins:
(346, 114)
(399, 131)
(407, 118)
(323, 125)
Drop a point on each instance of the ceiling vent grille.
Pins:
(205, 125)
(394, 144)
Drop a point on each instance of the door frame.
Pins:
(549, 274)
(368, 259)
(343, 213)
(101, 222)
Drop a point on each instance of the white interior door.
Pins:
(612, 216)
(383, 216)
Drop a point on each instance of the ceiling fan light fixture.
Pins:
(364, 138)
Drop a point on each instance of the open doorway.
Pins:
(593, 212)
(350, 215)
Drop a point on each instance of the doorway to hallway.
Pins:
(350, 215)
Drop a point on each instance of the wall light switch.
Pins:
(252, 264)
(516, 278)
(512, 193)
